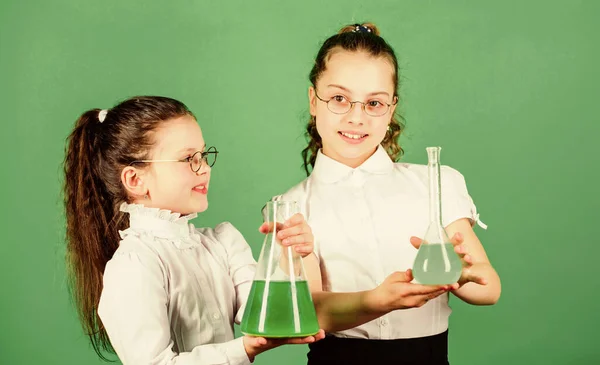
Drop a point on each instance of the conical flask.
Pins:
(279, 303)
(436, 262)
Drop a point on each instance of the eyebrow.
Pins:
(348, 90)
(191, 149)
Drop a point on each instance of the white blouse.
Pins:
(172, 292)
(362, 220)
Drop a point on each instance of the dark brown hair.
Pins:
(349, 38)
(96, 153)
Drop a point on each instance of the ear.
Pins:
(134, 182)
(312, 100)
(395, 102)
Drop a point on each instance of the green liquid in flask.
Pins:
(279, 319)
(437, 264)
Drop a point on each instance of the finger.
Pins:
(258, 341)
(418, 289)
(435, 294)
(301, 239)
(308, 339)
(423, 299)
(457, 239)
(304, 249)
(409, 275)
(416, 242)
(320, 335)
(265, 228)
(465, 258)
(299, 341)
(401, 276)
(471, 276)
(291, 231)
(460, 249)
(480, 280)
(294, 220)
(468, 260)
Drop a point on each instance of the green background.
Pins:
(508, 89)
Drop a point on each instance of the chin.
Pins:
(358, 153)
(201, 207)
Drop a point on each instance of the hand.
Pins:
(467, 274)
(397, 292)
(257, 345)
(294, 232)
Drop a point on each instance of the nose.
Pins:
(357, 115)
(204, 168)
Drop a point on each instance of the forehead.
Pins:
(359, 72)
(176, 134)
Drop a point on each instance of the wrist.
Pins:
(250, 350)
(373, 302)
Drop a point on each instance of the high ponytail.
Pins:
(97, 150)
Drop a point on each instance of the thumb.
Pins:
(416, 242)
(409, 275)
(402, 276)
(258, 341)
(264, 228)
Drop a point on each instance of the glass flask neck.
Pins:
(435, 198)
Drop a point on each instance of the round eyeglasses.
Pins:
(339, 104)
(195, 160)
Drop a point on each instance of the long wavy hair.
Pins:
(96, 152)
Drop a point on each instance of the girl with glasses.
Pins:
(148, 284)
(367, 211)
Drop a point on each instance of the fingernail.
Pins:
(285, 241)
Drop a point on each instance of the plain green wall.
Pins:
(508, 89)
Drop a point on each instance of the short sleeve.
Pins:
(241, 263)
(456, 201)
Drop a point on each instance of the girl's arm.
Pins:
(340, 311)
(481, 270)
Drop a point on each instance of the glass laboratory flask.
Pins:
(436, 262)
(279, 303)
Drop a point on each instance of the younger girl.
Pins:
(366, 211)
(148, 284)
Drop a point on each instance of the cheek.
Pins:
(327, 124)
(175, 177)
(379, 132)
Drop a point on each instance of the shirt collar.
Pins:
(331, 171)
(160, 222)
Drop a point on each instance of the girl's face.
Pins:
(173, 185)
(351, 138)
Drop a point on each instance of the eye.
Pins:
(375, 103)
(338, 98)
(188, 159)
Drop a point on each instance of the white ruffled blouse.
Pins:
(172, 291)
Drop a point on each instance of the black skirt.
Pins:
(431, 350)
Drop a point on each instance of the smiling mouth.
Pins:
(203, 189)
(355, 136)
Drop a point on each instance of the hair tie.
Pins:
(359, 28)
(102, 115)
